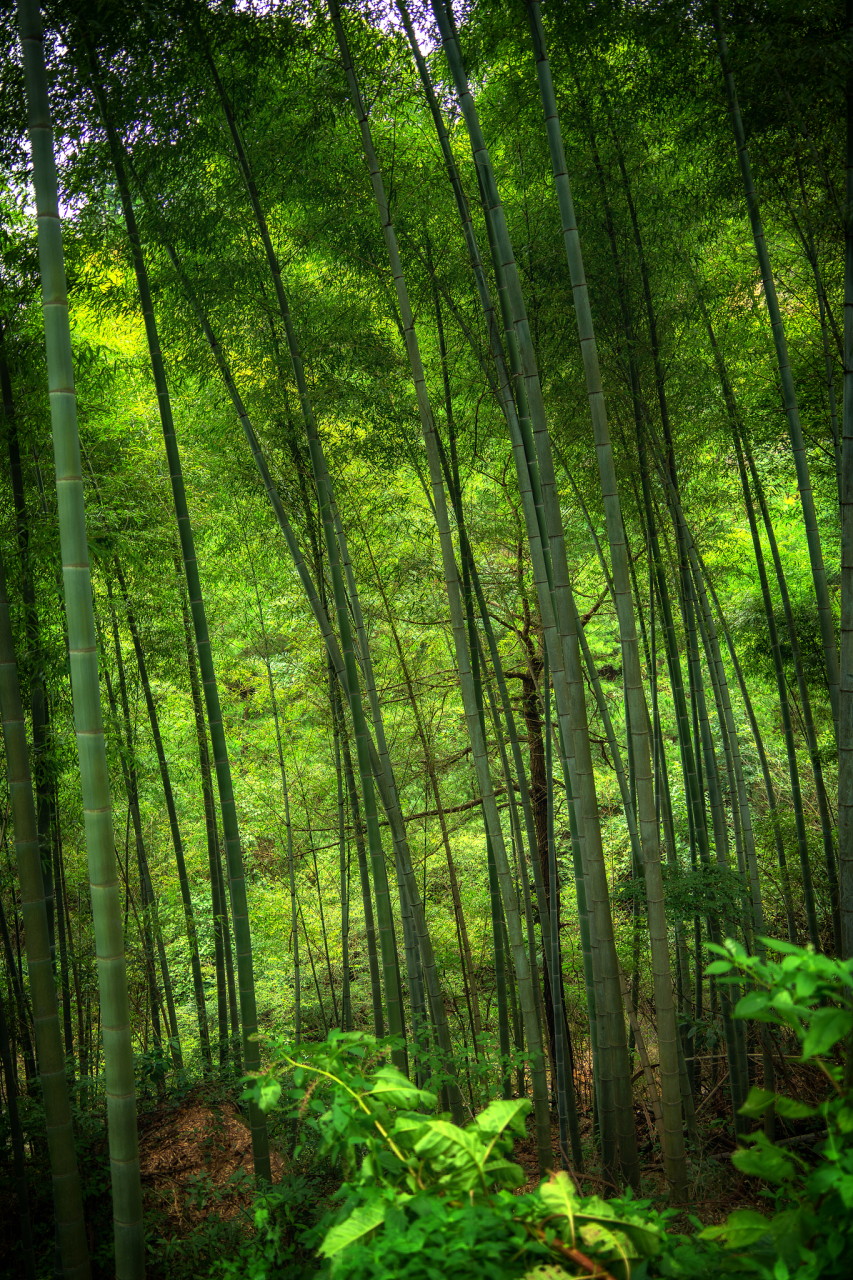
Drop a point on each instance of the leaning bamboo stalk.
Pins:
(18, 1157)
(343, 871)
(19, 994)
(128, 768)
(386, 934)
(502, 390)
(171, 811)
(224, 987)
(645, 1062)
(789, 395)
(424, 958)
(233, 848)
(34, 658)
(387, 793)
(742, 447)
(534, 468)
(845, 741)
(94, 777)
(673, 1144)
(465, 945)
(805, 701)
(454, 597)
(361, 857)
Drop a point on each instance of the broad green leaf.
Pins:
(844, 1119)
(596, 1236)
(752, 1005)
(718, 966)
(406, 1126)
(441, 1136)
(806, 985)
(505, 1173)
(268, 1095)
(764, 1161)
(559, 1194)
(740, 1229)
(785, 948)
(826, 1028)
(790, 1109)
(502, 1114)
(361, 1221)
(757, 1102)
(390, 1085)
(645, 1238)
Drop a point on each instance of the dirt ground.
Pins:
(196, 1156)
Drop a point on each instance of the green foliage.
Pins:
(703, 890)
(811, 1231)
(422, 1195)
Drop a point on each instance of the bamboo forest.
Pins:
(426, 639)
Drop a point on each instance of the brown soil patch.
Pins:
(195, 1158)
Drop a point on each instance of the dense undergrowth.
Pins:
(423, 1198)
(376, 1182)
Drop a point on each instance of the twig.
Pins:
(713, 1091)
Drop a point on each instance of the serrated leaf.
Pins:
(361, 1221)
(391, 1086)
(752, 1005)
(740, 1229)
(757, 1102)
(790, 1109)
(826, 1028)
(502, 1114)
(764, 1161)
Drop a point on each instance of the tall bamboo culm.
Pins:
(198, 613)
(88, 723)
(789, 395)
(674, 1157)
(67, 1196)
(845, 741)
(451, 576)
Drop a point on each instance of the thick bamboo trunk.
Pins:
(121, 1107)
(68, 1203)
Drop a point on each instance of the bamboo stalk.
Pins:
(233, 850)
(452, 583)
(121, 1108)
(789, 395)
(68, 1203)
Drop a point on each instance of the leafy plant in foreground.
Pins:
(811, 1231)
(422, 1195)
